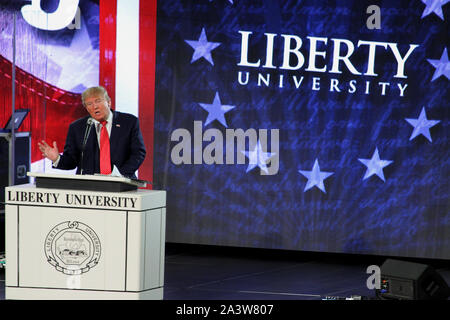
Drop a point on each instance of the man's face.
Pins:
(98, 107)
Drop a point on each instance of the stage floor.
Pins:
(195, 272)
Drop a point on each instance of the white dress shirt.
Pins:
(98, 126)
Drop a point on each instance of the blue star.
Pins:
(422, 125)
(442, 66)
(216, 111)
(258, 158)
(375, 165)
(315, 177)
(202, 47)
(434, 6)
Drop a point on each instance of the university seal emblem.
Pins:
(72, 248)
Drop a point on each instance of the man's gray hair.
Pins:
(95, 91)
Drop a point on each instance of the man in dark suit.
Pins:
(125, 144)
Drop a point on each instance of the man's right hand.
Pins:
(49, 152)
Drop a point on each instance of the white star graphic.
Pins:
(216, 111)
(422, 125)
(258, 158)
(315, 177)
(202, 47)
(434, 6)
(442, 66)
(375, 165)
(79, 62)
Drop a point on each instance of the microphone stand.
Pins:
(89, 124)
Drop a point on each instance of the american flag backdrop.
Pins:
(109, 43)
(297, 125)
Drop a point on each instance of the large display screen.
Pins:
(305, 125)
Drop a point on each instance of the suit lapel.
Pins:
(115, 132)
(91, 152)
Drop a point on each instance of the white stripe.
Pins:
(127, 56)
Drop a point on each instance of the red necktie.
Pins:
(105, 155)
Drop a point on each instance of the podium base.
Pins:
(20, 293)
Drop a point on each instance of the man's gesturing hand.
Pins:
(49, 152)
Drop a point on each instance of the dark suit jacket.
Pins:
(127, 146)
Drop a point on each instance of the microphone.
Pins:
(89, 124)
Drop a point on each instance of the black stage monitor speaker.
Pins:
(20, 168)
(402, 280)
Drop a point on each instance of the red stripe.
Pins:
(51, 109)
(147, 60)
(107, 35)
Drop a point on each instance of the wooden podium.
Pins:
(63, 242)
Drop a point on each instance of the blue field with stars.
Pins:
(345, 127)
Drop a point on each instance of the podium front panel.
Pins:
(72, 248)
(56, 249)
